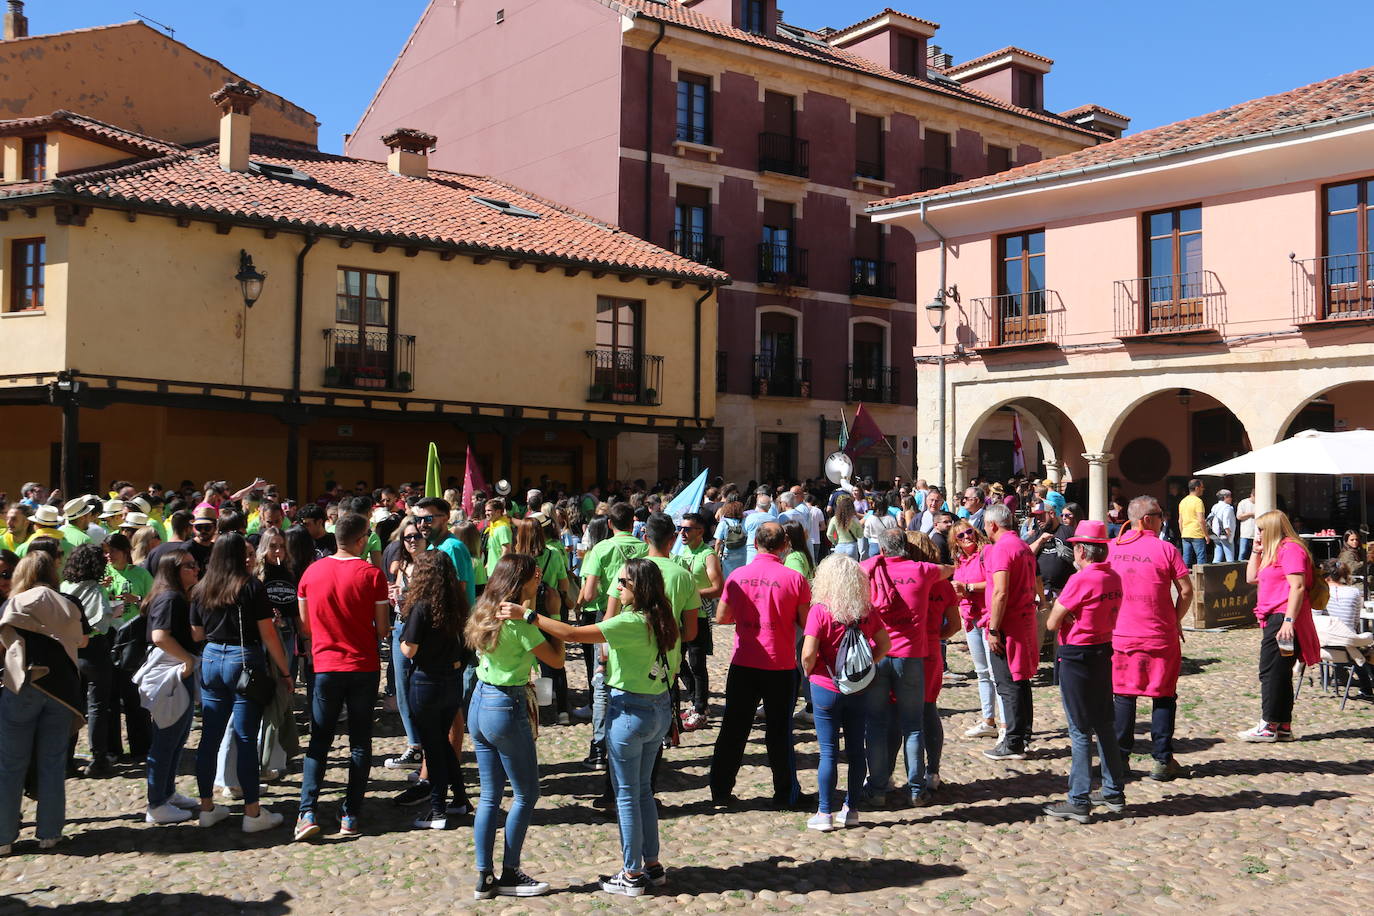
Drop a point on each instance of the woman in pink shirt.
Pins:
(840, 593)
(970, 584)
(942, 622)
(1283, 568)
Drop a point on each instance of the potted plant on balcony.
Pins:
(650, 395)
(331, 376)
(403, 381)
(370, 377)
(596, 393)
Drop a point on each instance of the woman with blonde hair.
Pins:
(145, 541)
(970, 585)
(1283, 569)
(840, 599)
(845, 529)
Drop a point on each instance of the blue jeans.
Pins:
(1223, 551)
(903, 678)
(834, 712)
(636, 725)
(164, 755)
(499, 723)
(404, 667)
(434, 703)
(33, 726)
(1194, 551)
(220, 666)
(1085, 685)
(850, 549)
(1246, 545)
(990, 704)
(334, 690)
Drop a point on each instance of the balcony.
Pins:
(781, 378)
(868, 277)
(625, 377)
(784, 154)
(1030, 319)
(700, 247)
(932, 178)
(782, 265)
(372, 359)
(871, 384)
(1339, 287)
(1168, 304)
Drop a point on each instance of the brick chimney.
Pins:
(409, 154)
(235, 101)
(937, 59)
(16, 23)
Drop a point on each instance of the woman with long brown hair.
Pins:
(169, 629)
(533, 539)
(731, 541)
(845, 529)
(412, 545)
(645, 651)
(435, 611)
(1282, 567)
(499, 723)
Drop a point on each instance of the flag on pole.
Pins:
(472, 482)
(863, 434)
(689, 500)
(433, 482)
(1018, 447)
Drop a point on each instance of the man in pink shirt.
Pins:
(901, 590)
(766, 602)
(1147, 640)
(1084, 615)
(1014, 591)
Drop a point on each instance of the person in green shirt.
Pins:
(703, 563)
(498, 720)
(78, 513)
(126, 585)
(499, 534)
(141, 504)
(645, 647)
(799, 558)
(531, 539)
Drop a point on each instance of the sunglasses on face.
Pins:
(424, 519)
(412, 537)
(965, 535)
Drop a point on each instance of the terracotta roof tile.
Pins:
(1089, 108)
(673, 13)
(98, 131)
(886, 11)
(360, 197)
(993, 55)
(1341, 96)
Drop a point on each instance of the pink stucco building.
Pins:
(742, 141)
(1154, 305)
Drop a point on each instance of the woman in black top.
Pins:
(169, 629)
(300, 553)
(231, 613)
(436, 610)
(274, 571)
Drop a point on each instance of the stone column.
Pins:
(1265, 493)
(962, 463)
(1054, 470)
(1098, 462)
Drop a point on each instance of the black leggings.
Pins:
(695, 681)
(1276, 674)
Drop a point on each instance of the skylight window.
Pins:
(505, 207)
(280, 173)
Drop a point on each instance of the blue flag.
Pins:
(689, 500)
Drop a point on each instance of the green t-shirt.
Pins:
(158, 527)
(800, 562)
(695, 561)
(632, 663)
(497, 540)
(374, 545)
(74, 536)
(679, 585)
(604, 561)
(131, 579)
(509, 663)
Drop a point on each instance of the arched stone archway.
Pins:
(1039, 418)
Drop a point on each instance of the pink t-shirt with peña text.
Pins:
(1148, 568)
(1093, 598)
(904, 614)
(767, 600)
(941, 596)
(828, 633)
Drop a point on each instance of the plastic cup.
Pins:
(543, 690)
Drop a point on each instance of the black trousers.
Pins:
(744, 688)
(694, 657)
(1163, 712)
(1276, 674)
(1016, 702)
(125, 701)
(97, 670)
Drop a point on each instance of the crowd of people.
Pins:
(126, 615)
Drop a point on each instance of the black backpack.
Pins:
(130, 648)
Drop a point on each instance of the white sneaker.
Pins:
(166, 814)
(981, 730)
(213, 816)
(234, 792)
(181, 801)
(265, 820)
(846, 818)
(822, 822)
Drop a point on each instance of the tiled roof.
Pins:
(355, 197)
(886, 11)
(1088, 109)
(1343, 96)
(98, 131)
(673, 13)
(993, 55)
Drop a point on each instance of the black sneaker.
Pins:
(519, 884)
(625, 885)
(486, 886)
(432, 820)
(657, 874)
(411, 759)
(413, 795)
(803, 802)
(921, 799)
(1066, 810)
(604, 802)
(727, 802)
(1003, 752)
(596, 757)
(460, 806)
(1113, 803)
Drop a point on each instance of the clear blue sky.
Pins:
(1155, 62)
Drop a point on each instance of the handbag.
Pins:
(255, 684)
(130, 648)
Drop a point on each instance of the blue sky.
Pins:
(1155, 62)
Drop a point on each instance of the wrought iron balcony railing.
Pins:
(625, 377)
(371, 359)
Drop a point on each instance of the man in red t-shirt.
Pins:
(1147, 642)
(1084, 615)
(766, 602)
(1014, 592)
(345, 614)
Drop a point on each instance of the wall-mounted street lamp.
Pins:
(250, 279)
(938, 308)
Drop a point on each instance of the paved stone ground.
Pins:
(1283, 828)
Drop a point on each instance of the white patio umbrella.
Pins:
(1309, 452)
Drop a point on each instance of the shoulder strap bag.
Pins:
(255, 683)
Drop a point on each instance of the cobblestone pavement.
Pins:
(1283, 828)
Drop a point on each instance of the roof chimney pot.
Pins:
(235, 100)
(16, 23)
(409, 154)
